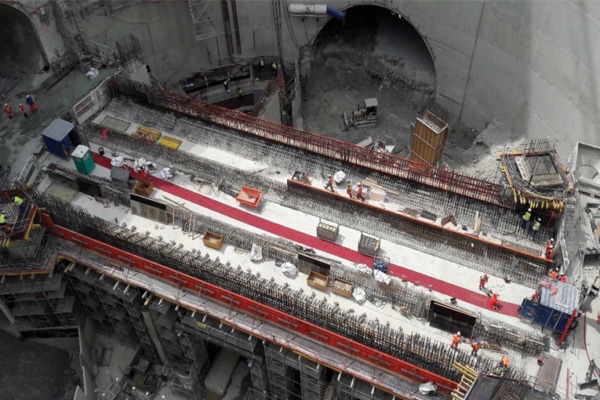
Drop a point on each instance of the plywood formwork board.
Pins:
(428, 139)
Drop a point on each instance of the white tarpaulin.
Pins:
(289, 270)
(117, 161)
(167, 174)
(382, 277)
(359, 295)
(364, 269)
(339, 177)
(92, 73)
(256, 253)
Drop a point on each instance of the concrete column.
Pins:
(149, 322)
(6, 312)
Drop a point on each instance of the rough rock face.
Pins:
(373, 55)
(377, 55)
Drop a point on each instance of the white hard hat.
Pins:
(552, 239)
(529, 209)
(458, 333)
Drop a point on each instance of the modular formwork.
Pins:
(335, 149)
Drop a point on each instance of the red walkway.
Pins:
(440, 286)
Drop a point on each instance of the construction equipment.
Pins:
(364, 116)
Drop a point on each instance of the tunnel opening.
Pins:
(20, 49)
(374, 53)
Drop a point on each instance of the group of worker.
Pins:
(476, 345)
(483, 280)
(29, 100)
(526, 223)
(359, 189)
(18, 201)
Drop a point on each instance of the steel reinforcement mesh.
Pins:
(487, 259)
(416, 349)
(314, 143)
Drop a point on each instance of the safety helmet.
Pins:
(552, 239)
(529, 209)
(20, 104)
(458, 333)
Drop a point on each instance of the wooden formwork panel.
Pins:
(428, 139)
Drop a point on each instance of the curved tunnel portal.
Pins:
(374, 53)
(20, 49)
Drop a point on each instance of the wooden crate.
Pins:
(143, 187)
(213, 240)
(342, 287)
(428, 139)
(317, 280)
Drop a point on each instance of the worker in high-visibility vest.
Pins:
(359, 192)
(494, 301)
(550, 253)
(349, 189)
(536, 228)
(548, 244)
(274, 66)
(329, 184)
(526, 218)
(226, 85)
(504, 363)
(19, 203)
(476, 346)
(483, 280)
(455, 341)
(262, 64)
(3, 225)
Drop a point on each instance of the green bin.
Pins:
(83, 159)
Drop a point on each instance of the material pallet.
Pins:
(368, 245)
(249, 197)
(213, 240)
(143, 187)
(342, 287)
(170, 142)
(317, 280)
(327, 232)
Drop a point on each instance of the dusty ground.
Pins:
(33, 371)
(376, 54)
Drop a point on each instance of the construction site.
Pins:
(277, 223)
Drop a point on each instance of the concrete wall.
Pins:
(531, 64)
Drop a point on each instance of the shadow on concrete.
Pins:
(32, 371)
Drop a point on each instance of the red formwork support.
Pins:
(271, 131)
(257, 309)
